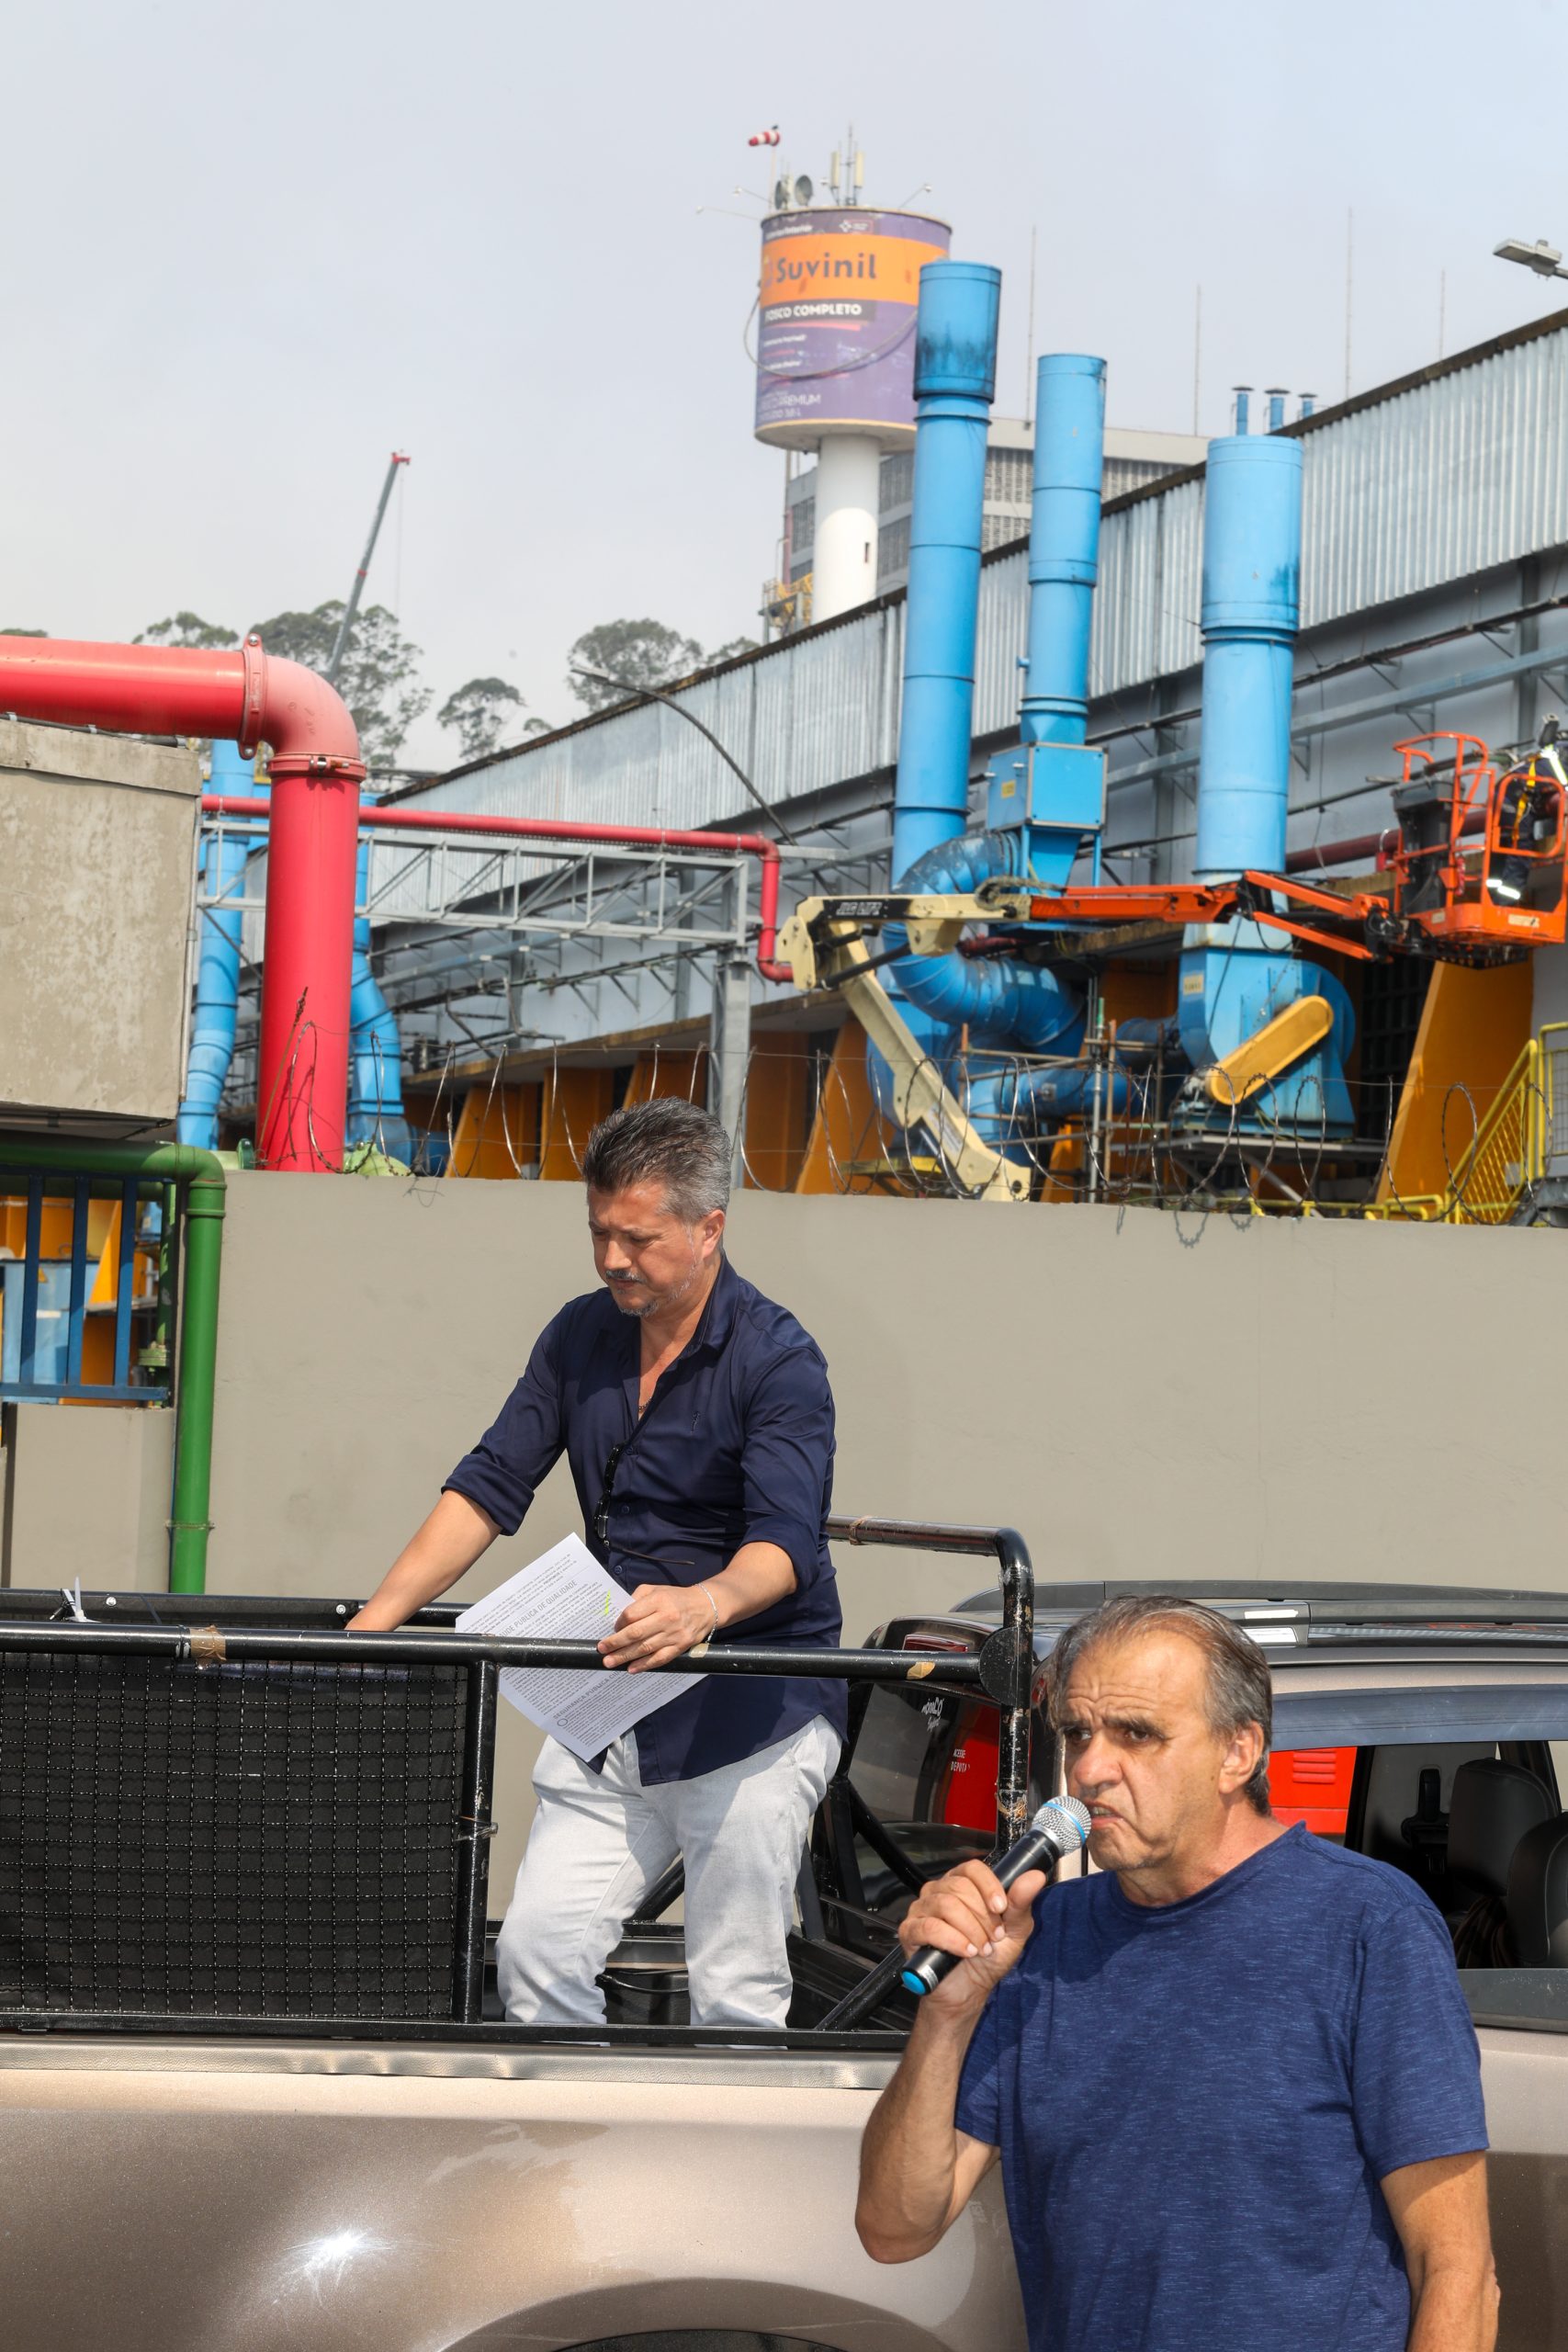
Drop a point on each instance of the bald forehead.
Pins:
(1155, 1671)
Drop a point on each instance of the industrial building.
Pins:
(1435, 519)
(609, 910)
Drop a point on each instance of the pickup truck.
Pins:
(252, 2096)
(255, 2087)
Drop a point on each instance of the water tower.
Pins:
(836, 358)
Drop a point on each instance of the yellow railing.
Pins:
(1507, 1154)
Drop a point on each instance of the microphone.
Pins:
(1061, 1827)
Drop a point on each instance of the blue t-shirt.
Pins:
(1195, 2105)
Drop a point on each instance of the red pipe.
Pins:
(1362, 845)
(241, 694)
(560, 828)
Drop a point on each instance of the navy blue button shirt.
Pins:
(736, 1447)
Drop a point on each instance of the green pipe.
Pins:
(202, 1174)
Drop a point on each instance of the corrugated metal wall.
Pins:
(1441, 479)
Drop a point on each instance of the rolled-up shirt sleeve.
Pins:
(786, 1460)
(522, 1443)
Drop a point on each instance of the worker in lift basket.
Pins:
(1232, 2082)
(698, 1422)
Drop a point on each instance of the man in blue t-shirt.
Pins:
(1231, 2081)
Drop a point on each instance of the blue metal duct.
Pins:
(1251, 607)
(376, 1064)
(217, 965)
(1044, 1097)
(1041, 804)
(1052, 790)
(1237, 976)
(1277, 398)
(1064, 545)
(956, 375)
(955, 379)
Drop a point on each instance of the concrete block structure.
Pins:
(97, 836)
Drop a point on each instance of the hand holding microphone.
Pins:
(961, 1916)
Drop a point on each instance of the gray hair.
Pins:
(670, 1142)
(1238, 1687)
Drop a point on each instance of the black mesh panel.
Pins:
(266, 1839)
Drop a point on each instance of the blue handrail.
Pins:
(44, 1301)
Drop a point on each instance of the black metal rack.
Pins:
(200, 1822)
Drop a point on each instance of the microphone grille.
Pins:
(1050, 1817)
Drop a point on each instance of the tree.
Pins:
(187, 629)
(378, 680)
(640, 653)
(24, 632)
(476, 713)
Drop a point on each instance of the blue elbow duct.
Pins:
(375, 1061)
(1004, 1003)
(217, 964)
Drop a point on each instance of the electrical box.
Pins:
(97, 848)
(1053, 792)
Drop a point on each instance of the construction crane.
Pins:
(351, 610)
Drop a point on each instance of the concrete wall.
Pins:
(1143, 1395)
(90, 1496)
(97, 837)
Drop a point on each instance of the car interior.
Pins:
(1479, 1827)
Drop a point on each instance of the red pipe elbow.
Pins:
(239, 694)
(303, 720)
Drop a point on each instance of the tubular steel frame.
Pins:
(1001, 1672)
(452, 881)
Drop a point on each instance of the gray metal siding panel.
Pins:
(1443, 480)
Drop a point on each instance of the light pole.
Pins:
(1544, 259)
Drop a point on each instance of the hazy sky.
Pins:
(246, 254)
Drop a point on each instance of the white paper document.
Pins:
(565, 1596)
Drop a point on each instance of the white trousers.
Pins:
(600, 1839)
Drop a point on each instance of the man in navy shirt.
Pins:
(1232, 2082)
(698, 1423)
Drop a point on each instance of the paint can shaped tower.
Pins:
(836, 367)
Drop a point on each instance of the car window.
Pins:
(1390, 1796)
(925, 1768)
